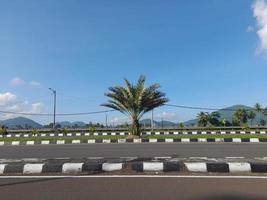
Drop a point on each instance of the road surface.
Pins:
(129, 150)
(134, 188)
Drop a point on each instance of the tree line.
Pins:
(240, 117)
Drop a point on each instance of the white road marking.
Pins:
(135, 176)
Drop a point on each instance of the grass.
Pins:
(207, 136)
(62, 138)
(126, 137)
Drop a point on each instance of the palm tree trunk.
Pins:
(135, 129)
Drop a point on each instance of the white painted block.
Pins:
(202, 139)
(60, 141)
(204, 132)
(33, 168)
(166, 133)
(91, 141)
(239, 167)
(169, 140)
(157, 133)
(76, 141)
(43, 135)
(233, 132)
(104, 134)
(60, 134)
(252, 132)
(2, 143)
(87, 134)
(52, 135)
(254, 140)
(106, 141)
(113, 134)
(148, 133)
(262, 132)
(223, 132)
(196, 167)
(152, 140)
(194, 132)
(219, 140)
(2, 168)
(185, 140)
(109, 167)
(15, 143)
(1, 136)
(69, 134)
(121, 140)
(45, 142)
(30, 143)
(78, 134)
(17, 135)
(242, 132)
(8, 136)
(176, 133)
(95, 134)
(213, 132)
(72, 168)
(185, 133)
(122, 133)
(237, 140)
(137, 140)
(153, 166)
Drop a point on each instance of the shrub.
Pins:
(35, 132)
(65, 131)
(3, 130)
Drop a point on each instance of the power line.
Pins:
(60, 114)
(203, 108)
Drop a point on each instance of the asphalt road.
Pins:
(134, 188)
(129, 150)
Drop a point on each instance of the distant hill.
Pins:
(66, 124)
(228, 112)
(147, 122)
(20, 122)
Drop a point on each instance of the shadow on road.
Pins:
(230, 197)
(15, 182)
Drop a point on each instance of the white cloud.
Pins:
(166, 116)
(260, 13)
(35, 84)
(250, 29)
(37, 107)
(17, 81)
(7, 98)
(10, 102)
(119, 120)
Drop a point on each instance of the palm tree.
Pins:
(203, 118)
(251, 116)
(240, 116)
(135, 100)
(213, 118)
(258, 109)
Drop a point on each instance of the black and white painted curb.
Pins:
(139, 140)
(78, 168)
(23, 135)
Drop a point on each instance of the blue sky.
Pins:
(208, 53)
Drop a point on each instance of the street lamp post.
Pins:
(55, 98)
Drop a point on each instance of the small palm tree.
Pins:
(240, 116)
(258, 109)
(203, 118)
(251, 116)
(135, 100)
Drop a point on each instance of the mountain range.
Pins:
(225, 113)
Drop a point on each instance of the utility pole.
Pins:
(152, 120)
(55, 99)
(106, 120)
